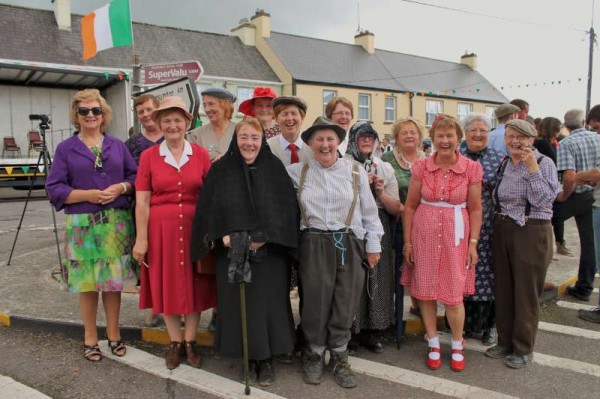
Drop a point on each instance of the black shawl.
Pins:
(258, 198)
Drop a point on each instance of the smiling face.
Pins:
(445, 140)
(249, 141)
(263, 111)
(324, 144)
(173, 124)
(342, 116)
(477, 134)
(365, 144)
(213, 109)
(516, 141)
(144, 115)
(408, 138)
(290, 121)
(89, 122)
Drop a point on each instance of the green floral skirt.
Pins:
(98, 251)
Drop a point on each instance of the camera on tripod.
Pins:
(44, 120)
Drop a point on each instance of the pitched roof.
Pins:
(32, 35)
(328, 62)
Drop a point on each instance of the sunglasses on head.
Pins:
(84, 111)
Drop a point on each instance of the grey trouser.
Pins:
(331, 290)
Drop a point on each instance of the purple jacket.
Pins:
(73, 168)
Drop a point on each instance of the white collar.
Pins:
(284, 143)
(164, 151)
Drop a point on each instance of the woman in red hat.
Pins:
(259, 107)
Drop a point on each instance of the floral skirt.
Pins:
(98, 251)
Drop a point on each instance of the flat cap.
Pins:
(506, 109)
(290, 100)
(219, 93)
(522, 126)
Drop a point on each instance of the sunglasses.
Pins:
(84, 111)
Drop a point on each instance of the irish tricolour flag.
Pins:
(106, 27)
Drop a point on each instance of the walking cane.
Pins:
(244, 337)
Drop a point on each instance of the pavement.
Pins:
(30, 295)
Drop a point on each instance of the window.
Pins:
(200, 88)
(464, 109)
(364, 107)
(390, 109)
(328, 95)
(243, 93)
(432, 109)
(490, 112)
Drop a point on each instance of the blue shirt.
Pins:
(497, 140)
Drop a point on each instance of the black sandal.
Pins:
(92, 353)
(117, 348)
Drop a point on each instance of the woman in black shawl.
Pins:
(248, 213)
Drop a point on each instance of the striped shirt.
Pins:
(519, 186)
(578, 152)
(327, 197)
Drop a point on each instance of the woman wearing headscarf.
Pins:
(480, 312)
(442, 218)
(170, 175)
(522, 246)
(376, 308)
(92, 179)
(260, 107)
(341, 235)
(247, 211)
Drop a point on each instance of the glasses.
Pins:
(342, 113)
(481, 131)
(84, 111)
(520, 139)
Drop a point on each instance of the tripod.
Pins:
(43, 158)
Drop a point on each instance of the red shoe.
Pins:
(434, 364)
(458, 365)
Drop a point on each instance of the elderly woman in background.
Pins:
(480, 312)
(341, 112)
(248, 205)
(215, 136)
(376, 308)
(260, 107)
(522, 246)
(442, 219)
(408, 135)
(170, 176)
(150, 135)
(91, 179)
(288, 146)
(341, 232)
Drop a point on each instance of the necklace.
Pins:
(402, 160)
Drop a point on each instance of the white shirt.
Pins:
(164, 151)
(284, 144)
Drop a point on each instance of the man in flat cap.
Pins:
(504, 113)
(578, 152)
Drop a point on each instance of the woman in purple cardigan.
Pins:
(91, 179)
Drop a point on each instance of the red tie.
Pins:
(294, 149)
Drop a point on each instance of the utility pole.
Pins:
(590, 63)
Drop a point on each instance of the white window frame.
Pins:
(490, 112)
(468, 107)
(242, 95)
(200, 88)
(390, 109)
(327, 96)
(362, 108)
(432, 109)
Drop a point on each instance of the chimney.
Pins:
(262, 20)
(246, 32)
(62, 14)
(469, 60)
(366, 39)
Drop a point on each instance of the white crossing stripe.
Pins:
(539, 358)
(568, 330)
(196, 378)
(596, 291)
(422, 381)
(574, 305)
(11, 389)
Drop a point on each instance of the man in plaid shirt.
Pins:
(578, 152)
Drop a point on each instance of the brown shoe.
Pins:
(562, 249)
(173, 357)
(193, 357)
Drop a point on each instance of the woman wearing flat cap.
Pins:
(248, 206)
(260, 107)
(216, 135)
(340, 232)
(522, 248)
(289, 115)
(169, 177)
(376, 308)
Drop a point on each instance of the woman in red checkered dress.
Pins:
(442, 219)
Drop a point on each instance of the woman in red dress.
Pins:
(170, 176)
(442, 219)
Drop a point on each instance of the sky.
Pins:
(536, 50)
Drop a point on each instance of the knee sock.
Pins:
(434, 343)
(457, 345)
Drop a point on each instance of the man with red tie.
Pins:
(289, 115)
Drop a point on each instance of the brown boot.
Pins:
(173, 357)
(193, 357)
